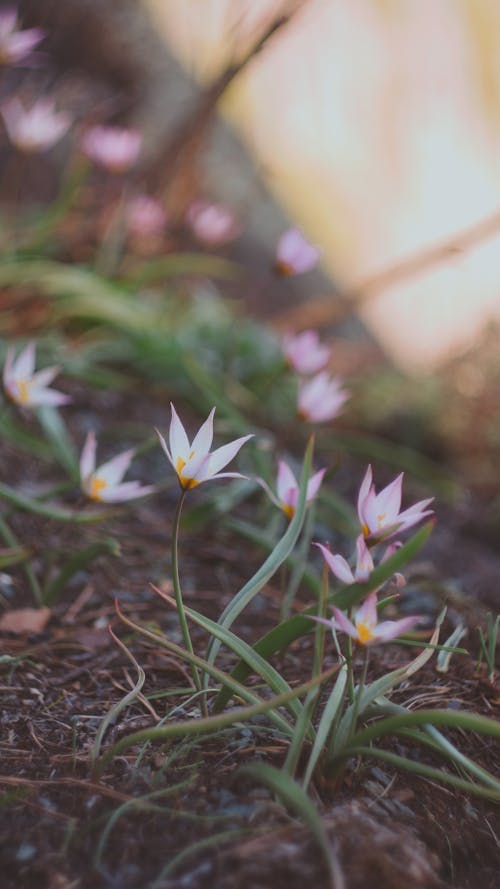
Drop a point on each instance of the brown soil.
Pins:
(387, 829)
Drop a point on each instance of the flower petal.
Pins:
(222, 456)
(313, 485)
(364, 492)
(127, 491)
(87, 459)
(337, 564)
(285, 483)
(202, 441)
(367, 612)
(391, 629)
(179, 442)
(342, 622)
(25, 362)
(113, 470)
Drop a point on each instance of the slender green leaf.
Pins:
(257, 664)
(115, 711)
(14, 555)
(425, 771)
(328, 719)
(178, 265)
(272, 563)
(295, 799)
(58, 513)
(207, 724)
(57, 434)
(288, 631)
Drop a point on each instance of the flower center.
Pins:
(365, 633)
(288, 510)
(186, 481)
(24, 391)
(96, 486)
(381, 519)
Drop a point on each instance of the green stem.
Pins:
(359, 694)
(179, 600)
(319, 642)
(350, 671)
(11, 540)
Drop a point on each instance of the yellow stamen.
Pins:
(366, 531)
(364, 633)
(288, 510)
(96, 486)
(185, 481)
(24, 391)
(380, 518)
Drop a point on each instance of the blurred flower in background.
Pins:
(212, 224)
(145, 216)
(287, 489)
(105, 482)
(16, 45)
(304, 352)
(36, 129)
(25, 387)
(295, 255)
(116, 149)
(321, 398)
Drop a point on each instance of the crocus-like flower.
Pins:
(145, 216)
(379, 513)
(287, 489)
(294, 255)
(104, 483)
(114, 148)
(321, 398)
(193, 462)
(364, 563)
(212, 224)
(304, 352)
(15, 45)
(25, 387)
(366, 628)
(37, 129)
(341, 568)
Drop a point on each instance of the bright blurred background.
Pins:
(376, 125)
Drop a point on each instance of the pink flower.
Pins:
(340, 567)
(145, 216)
(321, 398)
(366, 628)
(37, 129)
(287, 489)
(26, 388)
(15, 45)
(364, 563)
(114, 148)
(294, 255)
(212, 224)
(103, 483)
(304, 352)
(194, 463)
(379, 513)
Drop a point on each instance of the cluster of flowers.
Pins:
(117, 149)
(194, 463)
(321, 396)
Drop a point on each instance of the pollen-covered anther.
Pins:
(97, 485)
(365, 633)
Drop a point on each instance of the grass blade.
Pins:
(295, 799)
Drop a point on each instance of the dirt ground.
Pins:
(63, 829)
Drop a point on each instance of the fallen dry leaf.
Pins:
(25, 620)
